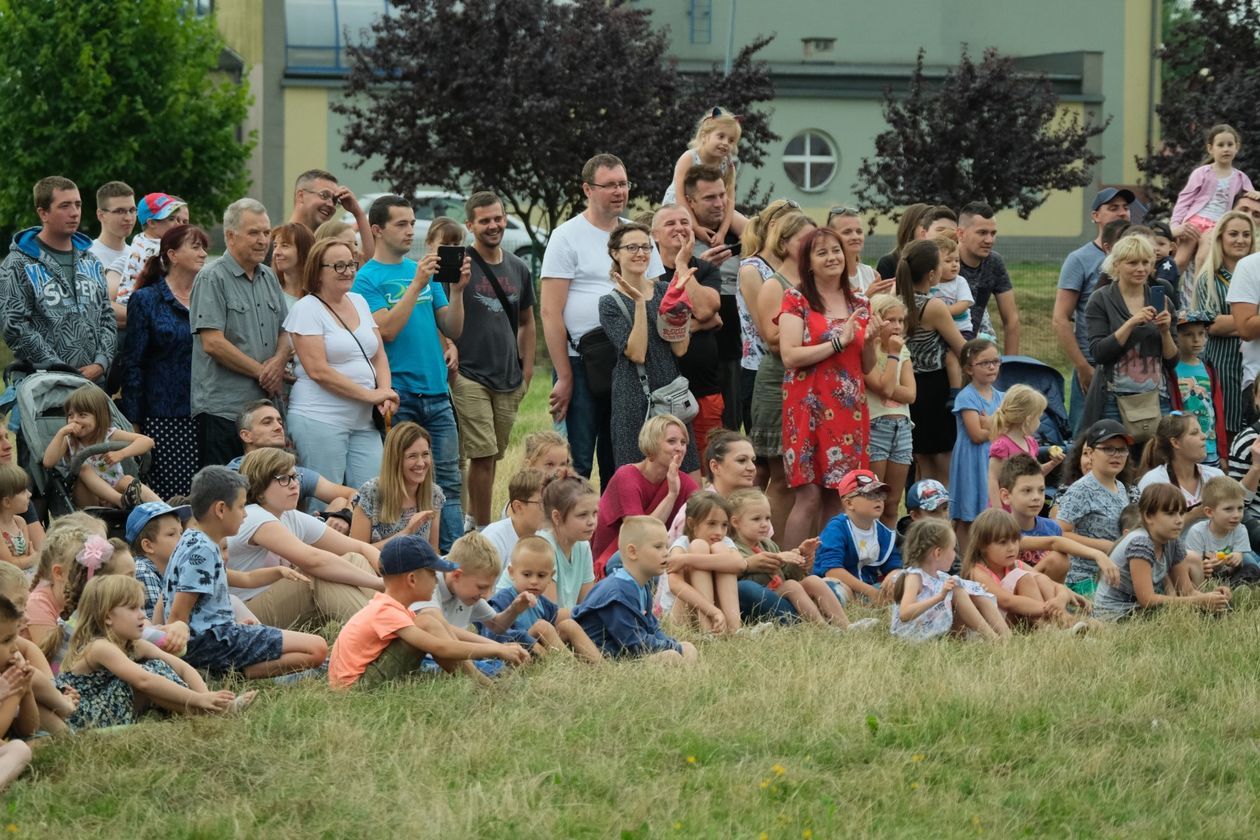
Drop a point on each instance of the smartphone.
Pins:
(1157, 298)
(735, 247)
(450, 263)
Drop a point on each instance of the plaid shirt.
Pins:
(148, 576)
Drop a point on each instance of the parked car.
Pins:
(430, 204)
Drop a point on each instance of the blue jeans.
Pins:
(437, 417)
(760, 603)
(1076, 405)
(343, 456)
(586, 427)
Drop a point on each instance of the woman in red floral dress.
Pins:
(822, 338)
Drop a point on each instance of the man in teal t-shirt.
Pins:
(409, 309)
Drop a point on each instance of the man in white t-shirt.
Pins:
(575, 275)
(157, 213)
(1244, 303)
(116, 211)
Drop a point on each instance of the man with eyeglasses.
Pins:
(575, 275)
(157, 213)
(116, 211)
(240, 347)
(316, 195)
(54, 303)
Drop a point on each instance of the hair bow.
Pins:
(96, 550)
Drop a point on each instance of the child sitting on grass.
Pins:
(16, 675)
(1218, 546)
(118, 674)
(929, 602)
(1093, 503)
(704, 564)
(524, 515)
(460, 596)
(386, 640)
(547, 452)
(195, 591)
(856, 549)
(1043, 544)
(54, 705)
(531, 568)
(63, 548)
(617, 615)
(992, 561)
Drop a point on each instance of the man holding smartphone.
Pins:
(316, 196)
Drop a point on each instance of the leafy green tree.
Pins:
(985, 132)
(102, 90)
(515, 95)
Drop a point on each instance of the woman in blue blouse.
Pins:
(157, 358)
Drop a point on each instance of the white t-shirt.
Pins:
(865, 277)
(578, 252)
(456, 612)
(132, 261)
(1159, 475)
(1245, 288)
(663, 595)
(310, 317)
(867, 543)
(107, 255)
(244, 556)
(952, 291)
(502, 535)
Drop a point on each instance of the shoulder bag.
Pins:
(380, 421)
(675, 398)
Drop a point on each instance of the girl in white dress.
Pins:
(928, 601)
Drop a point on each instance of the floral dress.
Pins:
(825, 422)
(106, 700)
(112, 473)
(939, 618)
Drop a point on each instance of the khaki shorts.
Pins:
(484, 417)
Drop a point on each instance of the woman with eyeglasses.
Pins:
(328, 576)
(342, 371)
(1131, 336)
(156, 358)
(639, 341)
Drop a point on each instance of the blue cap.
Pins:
(928, 494)
(1106, 196)
(409, 552)
(143, 514)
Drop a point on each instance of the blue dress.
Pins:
(969, 468)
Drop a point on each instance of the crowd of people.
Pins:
(325, 420)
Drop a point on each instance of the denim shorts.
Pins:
(891, 439)
(234, 647)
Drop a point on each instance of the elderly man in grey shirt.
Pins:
(239, 347)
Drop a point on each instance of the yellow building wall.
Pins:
(241, 23)
(305, 135)
(1138, 102)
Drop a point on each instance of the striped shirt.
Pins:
(1224, 354)
(1240, 462)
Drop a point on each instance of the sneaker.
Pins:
(470, 524)
(863, 624)
(319, 672)
(1080, 628)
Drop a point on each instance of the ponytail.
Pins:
(1159, 450)
(917, 260)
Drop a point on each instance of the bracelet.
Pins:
(836, 344)
(894, 358)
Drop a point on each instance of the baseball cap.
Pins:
(157, 206)
(409, 552)
(928, 494)
(1194, 316)
(143, 514)
(1161, 229)
(1106, 195)
(860, 481)
(1106, 430)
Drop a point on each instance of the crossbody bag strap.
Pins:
(509, 311)
(643, 377)
(354, 337)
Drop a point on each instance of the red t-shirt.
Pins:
(631, 494)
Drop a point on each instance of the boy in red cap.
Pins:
(857, 551)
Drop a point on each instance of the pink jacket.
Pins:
(1199, 189)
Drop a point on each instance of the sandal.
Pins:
(131, 496)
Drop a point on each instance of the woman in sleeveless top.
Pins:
(930, 333)
(767, 401)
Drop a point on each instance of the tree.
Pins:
(515, 95)
(103, 90)
(985, 132)
(1208, 79)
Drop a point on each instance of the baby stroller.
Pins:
(1054, 430)
(39, 398)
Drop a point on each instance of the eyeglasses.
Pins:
(341, 267)
(987, 363)
(1113, 451)
(119, 212)
(636, 249)
(324, 195)
(285, 480)
(787, 203)
(842, 211)
(615, 185)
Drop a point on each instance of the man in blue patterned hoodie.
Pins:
(54, 303)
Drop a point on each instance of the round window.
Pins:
(810, 160)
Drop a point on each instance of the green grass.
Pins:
(1151, 728)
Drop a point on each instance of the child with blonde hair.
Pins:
(15, 534)
(118, 674)
(1011, 432)
(811, 597)
(955, 292)
(547, 452)
(704, 567)
(890, 390)
(714, 143)
(571, 507)
(101, 480)
(63, 548)
(522, 517)
(929, 602)
(531, 569)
